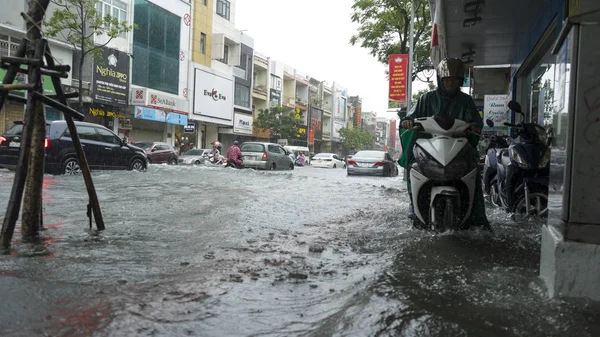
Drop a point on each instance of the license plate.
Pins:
(364, 164)
(14, 144)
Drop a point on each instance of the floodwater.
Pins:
(199, 251)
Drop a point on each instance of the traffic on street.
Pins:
(213, 251)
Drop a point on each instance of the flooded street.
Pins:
(199, 251)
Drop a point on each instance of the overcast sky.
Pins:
(313, 37)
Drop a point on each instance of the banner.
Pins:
(438, 33)
(496, 109)
(157, 115)
(110, 82)
(398, 71)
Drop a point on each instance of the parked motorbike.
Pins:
(491, 156)
(444, 174)
(523, 170)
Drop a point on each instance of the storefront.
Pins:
(157, 116)
(212, 110)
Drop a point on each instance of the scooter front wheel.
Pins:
(538, 206)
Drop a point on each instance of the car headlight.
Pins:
(545, 159)
(517, 158)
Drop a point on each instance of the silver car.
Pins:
(378, 163)
(194, 157)
(266, 156)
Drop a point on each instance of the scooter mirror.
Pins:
(489, 123)
(515, 106)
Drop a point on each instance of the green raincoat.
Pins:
(460, 106)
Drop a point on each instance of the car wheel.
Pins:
(173, 161)
(334, 166)
(137, 165)
(197, 162)
(71, 167)
(272, 168)
(291, 166)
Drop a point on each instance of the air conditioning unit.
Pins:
(292, 101)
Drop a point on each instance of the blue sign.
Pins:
(151, 114)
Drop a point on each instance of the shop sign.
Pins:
(242, 123)
(495, 108)
(158, 100)
(316, 123)
(110, 83)
(213, 95)
(190, 127)
(98, 111)
(158, 115)
(125, 124)
(22, 79)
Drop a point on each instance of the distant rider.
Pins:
(215, 153)
(234, 154)
(447, 100)
(301, 159)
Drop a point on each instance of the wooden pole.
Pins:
(85, 170)
(34, 119)
(16, 195)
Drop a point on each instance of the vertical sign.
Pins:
(397, 75)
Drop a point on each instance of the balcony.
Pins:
(261, 62)
(300, 104)
(260, 92)
(289, 102)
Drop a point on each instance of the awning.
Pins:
(482, 31)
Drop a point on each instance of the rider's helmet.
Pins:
(236, 143)
(451, 67)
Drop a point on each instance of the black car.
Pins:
(104, 150)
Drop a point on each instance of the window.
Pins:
(202, 43)
(204, 2)
(223, 8)
(109, 137)
(253, 148)
(85, 133)
(225, 58)
(156, 47)
(115, 8)
(274, 148)
(8, 45)
(242, 96)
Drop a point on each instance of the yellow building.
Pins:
(202, 27)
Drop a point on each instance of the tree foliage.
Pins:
(356, 139)
(281, 122)
(415, 97)
(77, 22)
(384, 29)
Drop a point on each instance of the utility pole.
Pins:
(410, 57)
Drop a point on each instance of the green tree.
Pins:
(356, 139)
(78, 22)
(415, 97)
(384, 29)
(281, 122)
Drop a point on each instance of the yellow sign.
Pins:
(101, 112)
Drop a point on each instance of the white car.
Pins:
(328, 160)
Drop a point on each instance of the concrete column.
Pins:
(570, 257)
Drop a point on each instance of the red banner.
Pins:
(398, 71)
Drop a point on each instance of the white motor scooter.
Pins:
(443, 175)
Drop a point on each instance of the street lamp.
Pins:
(427, 70)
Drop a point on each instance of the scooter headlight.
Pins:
(517, 158)
(545, 159)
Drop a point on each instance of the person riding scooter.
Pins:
(446, 100)
(234, 154)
